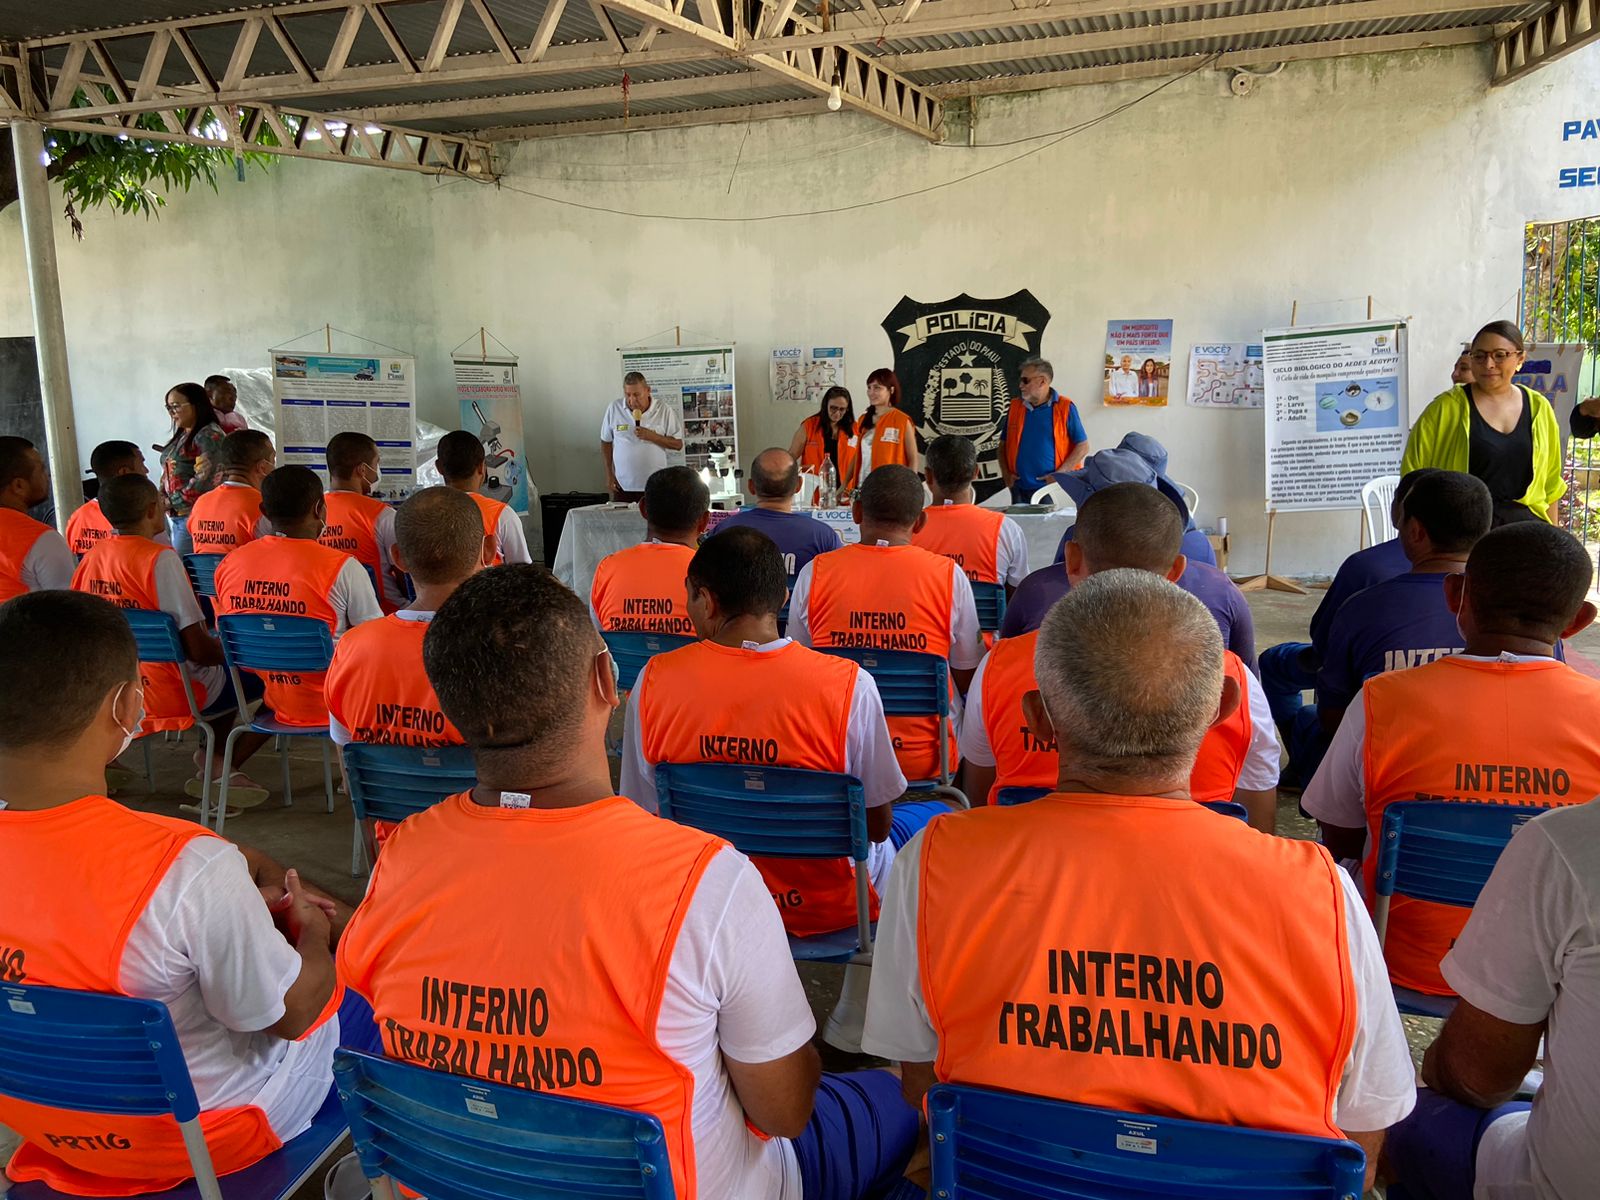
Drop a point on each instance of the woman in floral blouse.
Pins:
(189, 459)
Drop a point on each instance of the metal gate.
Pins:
(1561, 303)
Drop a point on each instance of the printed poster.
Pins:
(802, 375)
(700, 380)
(1225, 375)
(1335, 411)
(1556, 371)
(319, 395)
(958, 361)
(1138, 362)
(491, 407)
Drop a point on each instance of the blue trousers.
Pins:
(909, 818)
(1287, 671)
(1434, 1151)
(859, 1139)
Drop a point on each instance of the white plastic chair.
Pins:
(999, 500)
(1190, 497)
(1377, 497)
(1052, 493)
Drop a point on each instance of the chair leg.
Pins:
(327, 773)
(149, 764)
(227, 774)
(358, 851)
(209, 739)
(283, 759)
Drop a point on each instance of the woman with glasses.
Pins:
(189, 457)
(826, 435)
(1503, 433)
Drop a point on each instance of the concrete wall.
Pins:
(1403, 177)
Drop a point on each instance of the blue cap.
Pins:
(1119, 465)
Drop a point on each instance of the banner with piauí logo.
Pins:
(958, 360)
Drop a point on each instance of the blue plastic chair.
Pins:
(390, 783)
(1443, 851)
(451, 1138)
(159, 642)
(1023, 795)
(263, 644)
(912, 684)
(998, 1145)
(116, 1054)
(991, 601)
(202, 570)
(780, 812)
(630, 651)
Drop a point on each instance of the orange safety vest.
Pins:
(286, 577)
(86, 527)
(378, 690)
(814, 454)
(225, 518)
(642, 589)
(1022, 760)
(1061, 414)
(566, 1003)
(1490, 732)
(967, 534)
(892, 440)
(18, 533)
(1141, 988)
(352, 528)
(78, 877)
(778, 708)
(122, 569)
(887, 598)
(491, 510)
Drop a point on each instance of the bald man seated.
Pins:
(774, 483)
(1027, 949)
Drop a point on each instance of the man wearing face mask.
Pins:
(101, 898)
(359, 524)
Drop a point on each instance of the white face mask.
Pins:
(129, 734)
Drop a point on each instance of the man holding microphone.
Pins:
(635, 437)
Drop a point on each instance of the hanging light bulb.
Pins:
(835, 96)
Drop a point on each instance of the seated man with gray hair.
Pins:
(1083, 947)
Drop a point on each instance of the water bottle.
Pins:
(830, 485)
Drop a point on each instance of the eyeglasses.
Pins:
(1499, 356)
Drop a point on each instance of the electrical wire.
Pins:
(1056, 139)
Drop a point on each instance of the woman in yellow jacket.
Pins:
(1501, 432)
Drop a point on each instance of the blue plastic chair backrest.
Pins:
(999, 1144)
(390, 783)
(92, 1053)
(630, 651)
(157, 635)
(991, 601)
(202, 570)
(911, 684)
(783, 613)
(1025, 795)
(254, 642)
(451, 1138)
(1444, 850)
(775, 812)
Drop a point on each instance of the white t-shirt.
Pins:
(337, 733)
(1258, 774)
(206, 947)
(1377, 1087)
(633, 460)
(1124, 383)
(868, 755)
(1531, 952)
(352, 597)
(175, 596)
(383, 533)
(508, 533)
(1011, 553)
(49, 564)
(966, 641)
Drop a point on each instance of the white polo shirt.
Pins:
(633, 459)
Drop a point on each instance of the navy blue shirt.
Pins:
(1399, 623)
(1036, 455)
(1196, 547)
(1357, 573)
(800, 538)
(1036, 594)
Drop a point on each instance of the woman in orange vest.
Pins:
(884, 434)
(827, 434)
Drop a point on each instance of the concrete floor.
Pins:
(318, 843)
